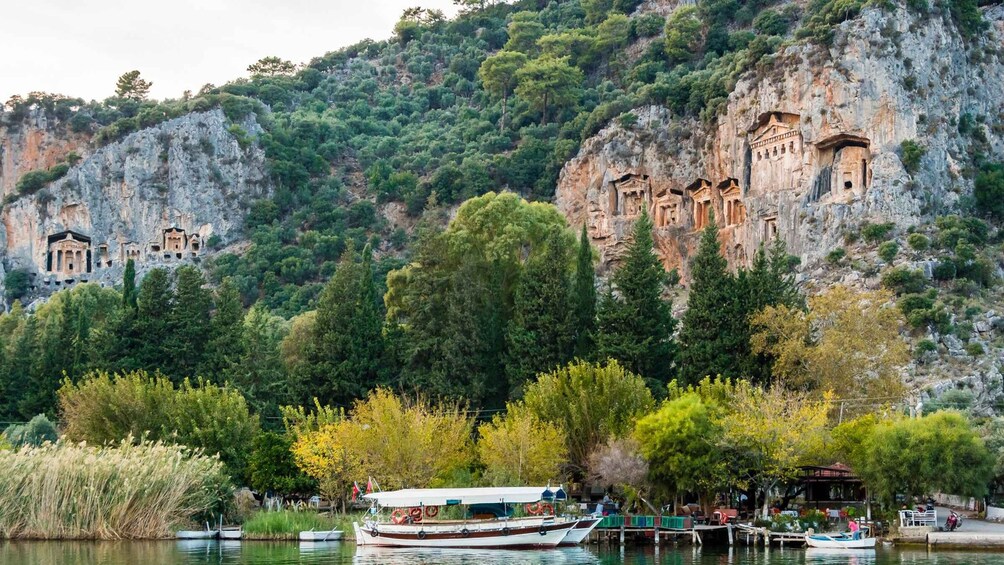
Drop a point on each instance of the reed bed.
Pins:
(75, 491)
(286, 524)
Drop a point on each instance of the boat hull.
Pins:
(839, 542)
(580, 531)
(197, 534)
(497, 535)
(321, 536)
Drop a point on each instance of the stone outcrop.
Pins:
(37, 143)
(158, 196)
(806, 151)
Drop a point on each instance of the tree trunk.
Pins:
(543, 115)
(766, 499)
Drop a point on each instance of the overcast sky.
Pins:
(78, 48)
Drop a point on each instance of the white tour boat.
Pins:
(414, 520)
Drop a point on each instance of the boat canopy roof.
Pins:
(467, 496)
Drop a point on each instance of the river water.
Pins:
(202, 552)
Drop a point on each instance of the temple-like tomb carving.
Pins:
(630, 195)
(734, 210)
(844, 167)
(770, 228)
(174, 242)
(68, 254)
(775, 155)
(701, 194)
(666, 207)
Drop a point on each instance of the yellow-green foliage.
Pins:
(520, 449)
(76, 491)
(104, 408)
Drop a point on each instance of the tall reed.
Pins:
(75, 491)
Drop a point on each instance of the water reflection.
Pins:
(200, 552)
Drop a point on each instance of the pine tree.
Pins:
(635, 324)
(584, 298)
(540, 334)
(189, 324)
(712, 330)
(348, 341)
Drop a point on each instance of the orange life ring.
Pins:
(416, 513)
(431, 511)
(547, 510)
(398, 516)
(532, 508)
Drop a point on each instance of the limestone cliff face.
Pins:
(805, 152)
(37, 143)
(160, 196)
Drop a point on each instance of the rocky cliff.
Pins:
(806, 148)
(163, 195)
(36, 143)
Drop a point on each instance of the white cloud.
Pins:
(79, 48)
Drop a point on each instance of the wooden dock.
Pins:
(659, 529)
(752, 535)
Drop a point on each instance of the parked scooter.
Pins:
(953, 522)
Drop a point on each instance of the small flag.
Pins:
(369, 485)
(355, 490)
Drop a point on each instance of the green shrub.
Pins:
(918, 242)
(648, 25)
(874, 233)
(974, 349)
(104, 408)
(835, 256)
(888, 250)
(988, 188)
(17, 282)
(924, 348)
(910, 302)
(271, 466)
(952, 399)
(903, 280)
(936, 317)
(36, 432)
(944, 270)
(910, 153)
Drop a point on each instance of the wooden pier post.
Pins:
(622, 534)
(729, 527)
(657, 519)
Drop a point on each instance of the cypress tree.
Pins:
(540, 334)
(635, 324)
(189, 324)
(23, 372)
(226, 330)
(129, 285)
(712, 326)
(768, 282)
(348, 342)
(584, 298)
(150, 332)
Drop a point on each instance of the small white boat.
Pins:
(197, 534)
(839, 541)
(326, 535)
(231, 533)
(580, 531)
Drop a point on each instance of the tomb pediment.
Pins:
(729, 187)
